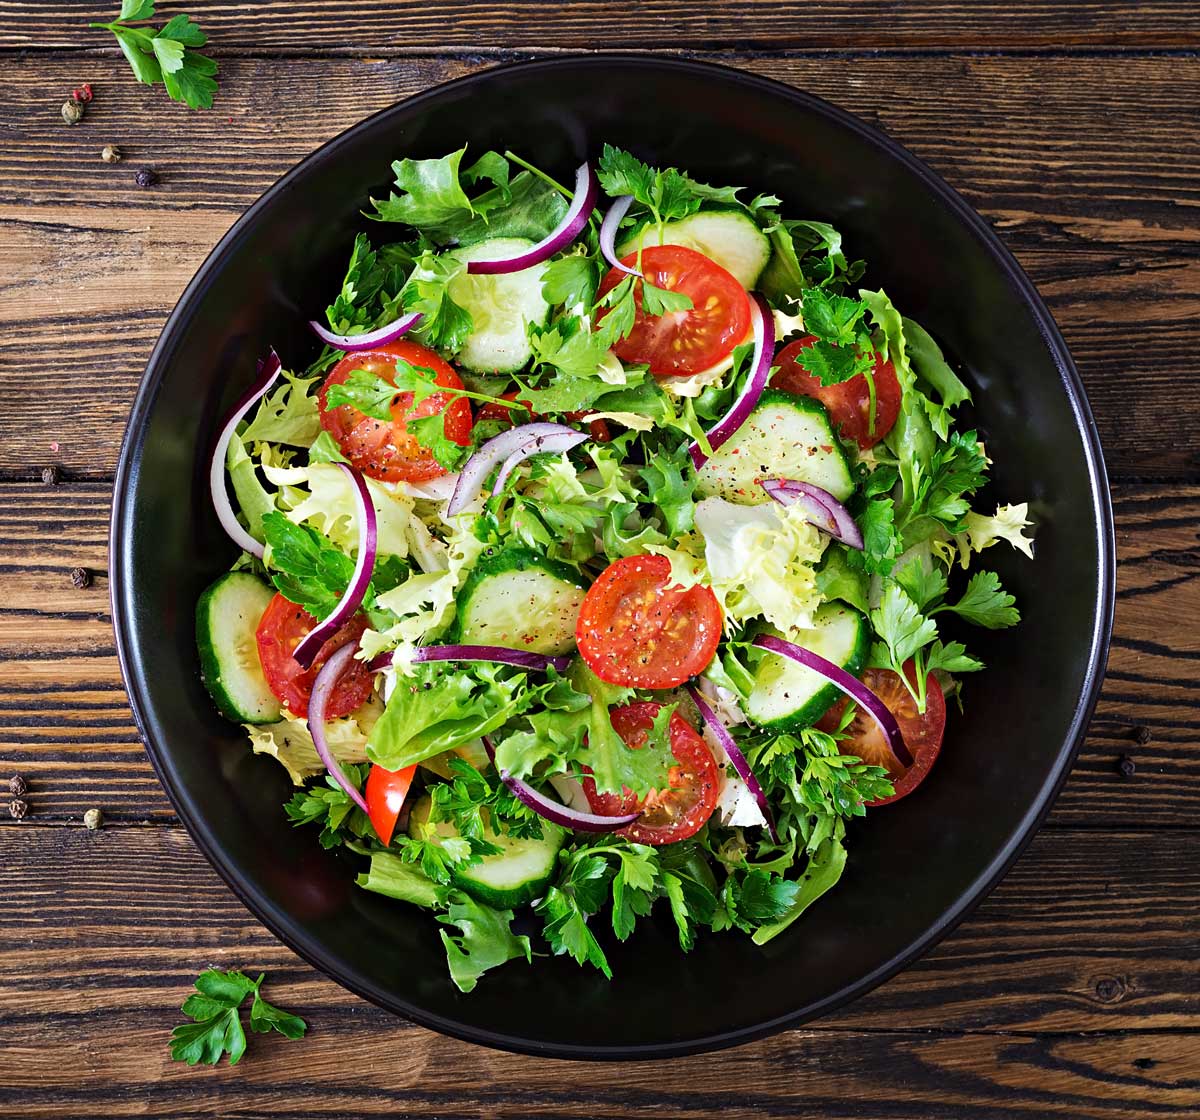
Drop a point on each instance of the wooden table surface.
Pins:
(1073, 991)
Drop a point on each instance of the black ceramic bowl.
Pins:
(915, 868)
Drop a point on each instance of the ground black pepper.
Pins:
(80, 578)
(51, 475)
(18, 786)
(145, 177)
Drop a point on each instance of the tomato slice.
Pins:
(922, 733)
(388, 451)
(671, 814)
(598, 428)
(279, 631)
(386, 791)
(849, 402)
(683, 342)
(637, 629)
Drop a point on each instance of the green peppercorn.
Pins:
(72, 111)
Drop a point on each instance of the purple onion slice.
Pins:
(729, 744)
(847, 683)
(268, 373)
(820, 507)
(380, 336)
(551, 444)
(764, 350)
(310, 645)
(331, 672)
(554, 811)
(608, 233)
(587, 188)
(502, 655)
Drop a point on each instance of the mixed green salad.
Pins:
(596, 566)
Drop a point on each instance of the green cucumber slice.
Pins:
(787, 696)
(227, 616)
(502, 308)
(785, 436)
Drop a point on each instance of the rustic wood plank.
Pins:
(375, 25)
(1100, 216)
(1060, 997)
(64, 720)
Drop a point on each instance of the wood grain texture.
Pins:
(377, 25)
(1059, 997)
(65, 723)
(1101, 215)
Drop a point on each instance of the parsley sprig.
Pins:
(216, 1027)
(166, 55)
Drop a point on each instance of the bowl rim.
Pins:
(309, 948)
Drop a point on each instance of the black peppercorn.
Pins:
(1126, 766)
(18, 786)
(17, 809)
(1141, 735)
(51, 475)
(80, 578)
(145, 177)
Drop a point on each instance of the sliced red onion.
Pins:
(550, 444)
(555, 812)
(587, 187)
(380, 336)
(310, 645)
(268, 372)
(849, 684)
(764, 350)
(608, 233)
(503, 655)
(496, 450)
(729, 745)
(331, 672)
(820, 507)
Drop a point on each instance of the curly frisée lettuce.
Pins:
(617, 570)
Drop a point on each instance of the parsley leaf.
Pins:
(216, 1027)
(165, 55)
(567, 906)
(901, 626)
(986, 603)
(843, 347)
(330, 806)
(484, 940)
(881, 542)
(445, 324)
(571, 281)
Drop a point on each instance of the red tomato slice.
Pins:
(388, 451)
(682, 342)
(282, 626)
(636, 629)
(670, 814)
(922, 733)
(386, 791)
(597, 428)
(849, 403)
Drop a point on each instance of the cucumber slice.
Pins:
(519, 599)
(227, 615)
(519, 874)
(728, 237)
(786, 436)
(502, 308)
(787, 696)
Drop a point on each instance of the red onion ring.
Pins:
(608, 233)
(494, 451)
(764, 350)
(268, 372)
(503, 655)
(553, 811)
(587, 187)
(323, 686)
(820, 507)
(380, 336)
(849, 684)
(310, 645)
(735, 757)
(549, 444)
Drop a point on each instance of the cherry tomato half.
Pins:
(922, 732)
(385, 793)
(279, 631)
(683, 342)
(389, 451)
(849, 402)
(680, 810)
(637, 629)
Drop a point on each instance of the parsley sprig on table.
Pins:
(166, 55)
(216, 1026)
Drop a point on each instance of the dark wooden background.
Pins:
(1074, 990)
